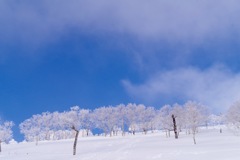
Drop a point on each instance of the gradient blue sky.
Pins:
(56, 54)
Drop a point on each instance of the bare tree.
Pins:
(178, 112)
(75, 140)
(72, 119)
(175, 126)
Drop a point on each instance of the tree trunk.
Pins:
(0, 146)
(88, 132)
(152, 127)
(194, 139)
(75, 140)
(123, 132)
(36, 141)
(175, 126)
(111, 133)
(144, 131)
(53, 136)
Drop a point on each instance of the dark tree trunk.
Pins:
(0, 146)
(87, 132)
(75, 140)
(144, 131)
(175, 126)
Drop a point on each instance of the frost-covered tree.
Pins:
(46, 124)
(195, 116)
(73, 119)
(5, 132)
(106, 119)
(87, 119)
(178, 113)
(165, 119)
(215, 119)
(132, 117)
(31, 128)
(150, 115)
(57, 126)
(140, 118)
(233, 116)
(116, 120)
(122, 111)
(145, 117)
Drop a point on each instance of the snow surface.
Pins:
(211, 144)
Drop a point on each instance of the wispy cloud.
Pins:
(216, 87)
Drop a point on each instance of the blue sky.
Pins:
(56, 54)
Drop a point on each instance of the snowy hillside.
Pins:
(211, 144)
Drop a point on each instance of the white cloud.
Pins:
(191, 21)
(216, 87)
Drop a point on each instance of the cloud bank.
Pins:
(216, 87)
(146, 32)
(190, 21)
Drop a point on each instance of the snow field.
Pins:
(210, 145)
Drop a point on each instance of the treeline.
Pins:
(113, 120)
(120, 119)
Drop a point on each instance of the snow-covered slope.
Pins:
(210, 145)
